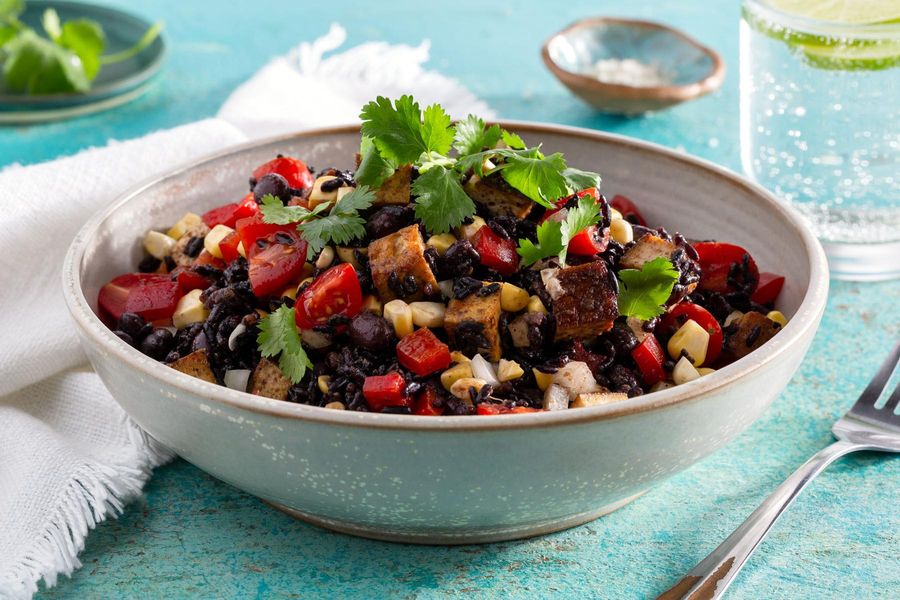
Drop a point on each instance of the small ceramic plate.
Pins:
(116, 84)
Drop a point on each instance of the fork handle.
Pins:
(712, 576)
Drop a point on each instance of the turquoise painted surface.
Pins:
(193, 536)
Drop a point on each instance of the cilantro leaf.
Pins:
(148, 38)
(50, 22)
(278, 335)
(472, 137)
(579, 218)
(395, 128)
(538, 177)
(10, 9)
(7, 33)
(373, 168)
(578, 180)
(274, 211)
(343, 223)
(512, 140)
(85, 38)
(436, 130)
(441, 202)
(643, 293)
(36, 65)
(429, 160)
(550, 243)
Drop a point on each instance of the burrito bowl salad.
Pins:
(454, 271)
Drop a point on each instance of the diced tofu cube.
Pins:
(195, 364)
(268, 380)
(473, 324)
(597, 398)
(498, 197)
(468, 231)
(753, 330)
(396, 188)
(401, 255)
(214, 238)
(646, 249)
(585, 305)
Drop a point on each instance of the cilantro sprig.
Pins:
(643, 292)
(67, 60)
(278, 337)
(342, 224)
(274, 211)
(554, 236)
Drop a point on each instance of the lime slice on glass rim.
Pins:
(844, 35)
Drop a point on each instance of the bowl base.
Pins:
(453, 538)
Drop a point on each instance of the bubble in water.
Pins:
(800, 111)
(713, 142)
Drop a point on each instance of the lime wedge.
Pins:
(835, 50)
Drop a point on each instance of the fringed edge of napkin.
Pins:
(95, 492)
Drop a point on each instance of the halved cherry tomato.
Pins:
(275, 261)
(649, 357)
(716, 259)
(334, 292)
(152, 296)
(381, 391)
(589, 241)
(628, 209)
(492, 408)
(423, 353)
(681, 313)
(768, 289)
(496, 252)
(425, 404)
(228, 214)
(292, 169)
(253, 228)
(188, 279)
(205, 258)
(229, 246)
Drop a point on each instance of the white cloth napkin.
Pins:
(69, 456)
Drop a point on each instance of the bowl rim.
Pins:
(673, 93)
(806, 317)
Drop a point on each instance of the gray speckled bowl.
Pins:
(455, 479)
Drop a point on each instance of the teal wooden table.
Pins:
(194, 536)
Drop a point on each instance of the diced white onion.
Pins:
(482, 369)
(551, 282)
(237, 379)
(576, 378)
(232, 339)
(556, 398)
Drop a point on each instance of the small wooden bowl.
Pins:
(694, 69)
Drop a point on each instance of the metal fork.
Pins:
(863, 427)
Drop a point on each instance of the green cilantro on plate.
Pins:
(643, 292)
(278, 337)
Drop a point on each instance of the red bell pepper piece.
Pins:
(628, 209)
(188, 279)
(649, 358)
(152, 296)
(292, 169)
(334, 292)
(381, 391)
(425, 404)
(716, 259)
(228, 214)
(681, 313)
(768, 289)
(229, 246)
(423, 353)
(496, 252)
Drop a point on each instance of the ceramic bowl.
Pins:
(693, 69)
(455, 479)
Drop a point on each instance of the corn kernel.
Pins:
(317, 196)
(326, 257)
(441, 242)
(614, 214)
(536, 306)
(158, 245)
(372, 304)
(543, 379)
(467, 232)
(684, 371)
(455, 373)
(181, 227)
(621, 231)
(458, 357)
(508, 370)
(398, 314)
(289, 292)
(460, 387)
(241, 250)
(336, 406)
(661, 385)
(691, 338)
(705, 371)
(216, 235)
(343, 191)
(322, 381)
(348, 256)
(778, 317)
(513, 298)
(428, 314)
(190, 309)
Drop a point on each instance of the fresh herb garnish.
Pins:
(399, 132)
(442, 204)
(578, 218)
(472, 136)
(274, 211)
(550, 243)
(68, 60)
(373, 169)
(537, 176)
(644, 292)
(343, 222)
(278, 336)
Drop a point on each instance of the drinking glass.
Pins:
(820, 127)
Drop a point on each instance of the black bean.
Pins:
(274, 184)
(488, 290)
(458, 260)
(124, 337)
(463, 287)
(388, 220)
(149, 264)
(158, 344)
(134, 325)
(370, 331)
(194, 246)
